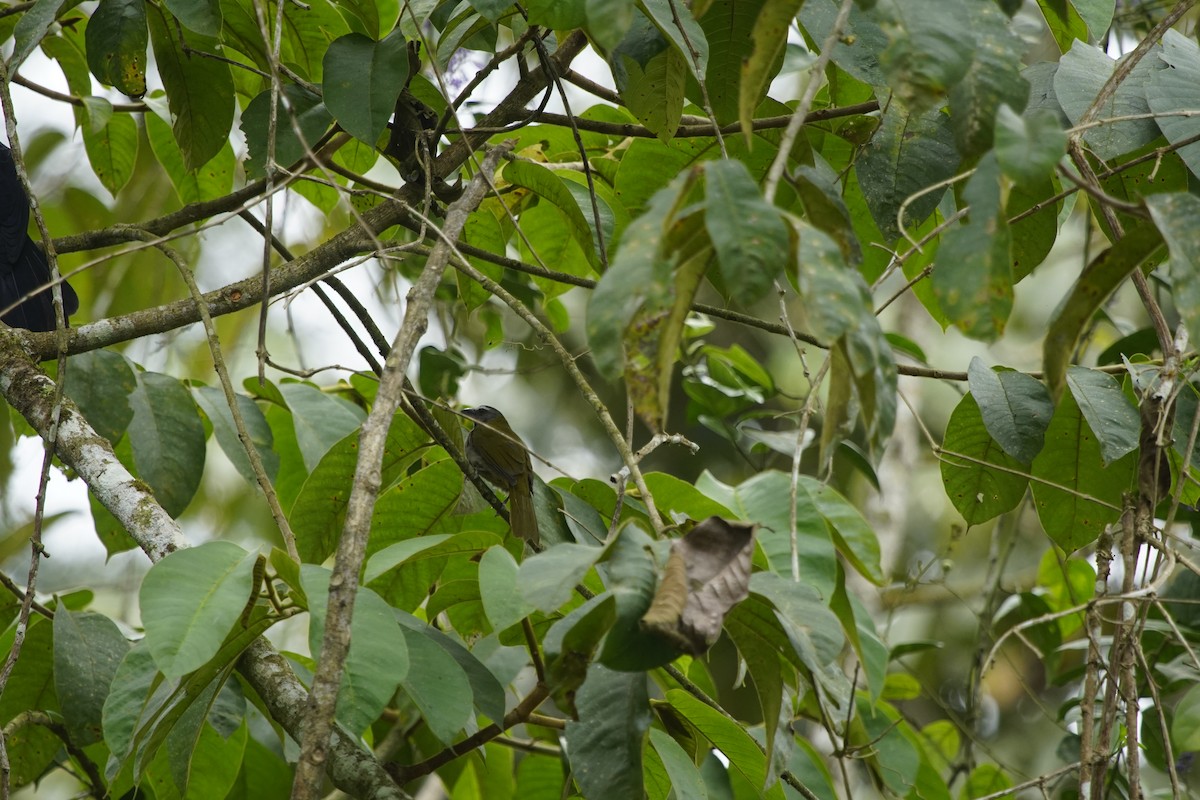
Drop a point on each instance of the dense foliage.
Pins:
(750, 280)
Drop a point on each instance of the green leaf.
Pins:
(1169, 91)
(30, 28)
(112, 151)
(930, 47)
(201, 16)
(317, 514)
(191, 600)
(981, 479)
(212, 401)
(654, 91)
(137, 690)
(680, 28)
(486, 689)
(420, 503)
(860, 44)
(379, 657)
(1028, 147)
(852, 534)
(570, 645)
(986, 780)
(547, 185)
(499, 589)
(168, 440)
(310, 116)
(605, 745)
(632, 576)
(728, 26)
(363, 78)
(1097, 281)
(88, 648)
(686, 782)
(1109, 413)
(992, 80)
(437, 685)
(908, 153)
(768, 39)
(825, 209)
(608, 21)
(973, 279)
(1074, 493)
(101, 383)
(755, 631)
(1016, 408)
(1171, 213)
(321, 420)
(757, 500)
(1081, 74)
(548, 578)
(1033, 234)
(724, 734)
(556, 14)
(209, 182)
(639, 276)
(116, 38)
(751, 244)
(1185, 728)
(199, 90)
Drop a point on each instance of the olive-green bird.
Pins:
(499, 455)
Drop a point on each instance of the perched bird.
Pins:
(23, 266)
(500, 457)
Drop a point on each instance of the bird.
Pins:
(499, 455)
(24, 271)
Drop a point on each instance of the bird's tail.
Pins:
(522, 516)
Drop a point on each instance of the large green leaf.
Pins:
(199, 89)
(605, 745)
(201, 16)
(1016, 408)
(548, 578)
(930, 47)
(437, 685)
(680, 28)
(213, 180)
(547, 185)
(993, 79)
(499, 589)
(1109, 413)
(727, 736)
(1170, 91)
(638, 278)
(307, 113)
(1097, 281)
(191, 600)
(1074, 493)
(981, 479)
(747, 232)
(651, 76)
(379, 657)
(1081, 74)
(116, 45)
(212, 401)
(323, 420)
(88, 648)
(363, 78)
(632, 576)
(908, 153)
(973, 278)
(101, 383)
(1171, 213)
(168, 439)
